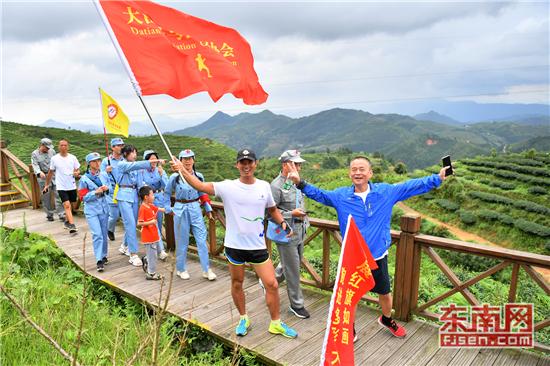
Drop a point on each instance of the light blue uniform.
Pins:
(157, 182)
(114, 212)
(187, 216)
(128, 201)
(96, 209)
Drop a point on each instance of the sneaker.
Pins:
(394, 328)
(163, 255)
(183, 275)
(100, 267)
(153, 276)
(261, 285)
(124, 250)
(135, 261)
(210, 275)
(66, 225)
(299, 312)
(242, 327)
(50, 218)
(111, 235)
(282, 329)
(355, 338)
(72, 229)
(105, 260)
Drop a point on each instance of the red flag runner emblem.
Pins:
(354, 279)
(169, 52)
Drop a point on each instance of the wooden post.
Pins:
(326, 260)
(212, 240)
(169, 229)
(407, 268)
(4, 173)
(35, 189)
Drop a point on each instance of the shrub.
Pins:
(532, 207)
(400, 168)
(467, 217)
(330, 162)
(447, 205)
(537, 190)
(532, 228)
(503, 185)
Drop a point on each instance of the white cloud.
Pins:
(309, 57)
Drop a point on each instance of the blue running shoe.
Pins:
(282, 329)
(242, 327)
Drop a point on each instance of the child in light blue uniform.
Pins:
(110, 166)
(156, 178)
(93, 189)
(188, 216)
(127, 198)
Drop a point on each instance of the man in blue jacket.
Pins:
(371, 205)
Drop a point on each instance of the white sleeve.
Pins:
(270, 202)
(220, 188)
(52, 163)
(76, 163)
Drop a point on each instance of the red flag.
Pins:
(169, 52)
(353, 281)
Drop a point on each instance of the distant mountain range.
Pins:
(417, 143)
(137, 128)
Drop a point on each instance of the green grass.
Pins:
(49, 287)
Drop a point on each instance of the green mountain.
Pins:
(401, 138)
(214, 160)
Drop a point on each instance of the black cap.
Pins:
(246, 154)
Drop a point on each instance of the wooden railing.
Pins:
(410, 245)
(28, 184)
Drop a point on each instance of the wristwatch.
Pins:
(301, 184)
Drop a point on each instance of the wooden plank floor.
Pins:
(209, 304)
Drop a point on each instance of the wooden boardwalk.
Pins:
(209, 304)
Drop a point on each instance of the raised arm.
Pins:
(414, 187)
(206, 187)
(327, 198)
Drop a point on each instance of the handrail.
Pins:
(10, 160)
(410, 247)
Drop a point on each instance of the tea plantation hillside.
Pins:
(213, 159)
(503, 198)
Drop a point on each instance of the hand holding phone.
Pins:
(447, 163)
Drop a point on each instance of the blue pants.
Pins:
(129, 212)
(98, 227)
(190, 218)
(114, 214)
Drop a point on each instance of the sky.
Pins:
(309, 56)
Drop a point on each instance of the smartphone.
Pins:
(447, 162)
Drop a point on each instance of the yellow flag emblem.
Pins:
(116, 122)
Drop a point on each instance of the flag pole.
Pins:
(104, 129)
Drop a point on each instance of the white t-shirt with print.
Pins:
(64, 167)
(244, 206)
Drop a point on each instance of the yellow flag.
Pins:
(116, 122)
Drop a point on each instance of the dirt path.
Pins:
(464, 235)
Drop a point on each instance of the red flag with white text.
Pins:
(354, 279)
(166, 51)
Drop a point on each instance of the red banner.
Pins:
(353, 281)
(169, 52)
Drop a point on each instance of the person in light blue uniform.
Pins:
(156, 178)
(188, 216)
(128, 202)
(110, 166)
(93, 190)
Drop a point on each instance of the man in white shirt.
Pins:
(66, 168)
(245, 201)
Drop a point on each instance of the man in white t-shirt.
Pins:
(245, 201)
(66, 168)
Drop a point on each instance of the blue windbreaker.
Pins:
(373, 217)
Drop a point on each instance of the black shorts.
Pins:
(239, 257)
(381, 277)
(67, 195)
